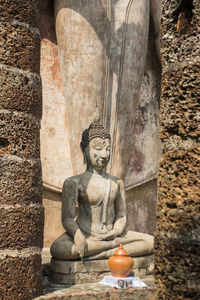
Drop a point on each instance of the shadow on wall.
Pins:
(127, 61)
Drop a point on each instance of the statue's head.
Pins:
(95, 145)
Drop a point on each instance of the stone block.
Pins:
(21, 227)
(20, 46)
(20, 91)
(76, 278)
(181, 258)
(62, 266)
(179, 114)
(20, 277)
(76, 272)
(26, 11)
(19, 134)
(175, 46)
(178, 206)
(21, 181)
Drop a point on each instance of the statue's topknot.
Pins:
(95, 130)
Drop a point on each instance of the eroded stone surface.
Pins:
(21, 227)
(19, 134)
(26, 11)
(180, 113)
(175, 45)
(179, 191)
(20, 278)
(21, 181)
(177, 235)
(21, 223)
(20, 46)
(98, 291)
(17, 85)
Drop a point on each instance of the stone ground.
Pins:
(94, 290)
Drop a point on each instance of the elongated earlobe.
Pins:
(84, 158)
(84, 155)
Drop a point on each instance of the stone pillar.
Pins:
(21, 210)
(177, 237)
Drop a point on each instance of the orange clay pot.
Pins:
(120, 263)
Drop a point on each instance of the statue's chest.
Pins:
(96, 190)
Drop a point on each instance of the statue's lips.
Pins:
(102, 161)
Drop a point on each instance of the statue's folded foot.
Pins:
(64, 248)
(135, 243)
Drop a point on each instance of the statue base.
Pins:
(89, 271)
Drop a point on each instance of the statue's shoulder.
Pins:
(113, 178)
(118, 181)
(72, 181)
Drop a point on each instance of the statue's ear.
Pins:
(82, 148)
(83, 151)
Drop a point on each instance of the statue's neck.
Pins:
(93, 170)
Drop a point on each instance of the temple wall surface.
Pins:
(21, 210)
(177, 237)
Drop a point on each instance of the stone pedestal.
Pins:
(79, 272)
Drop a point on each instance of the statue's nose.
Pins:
(103, 153)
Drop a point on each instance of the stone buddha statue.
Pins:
(99, 227)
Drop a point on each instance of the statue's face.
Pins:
(98, 153)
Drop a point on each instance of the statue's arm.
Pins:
(120, 210)
(69, 200)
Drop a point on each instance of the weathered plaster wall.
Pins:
(141, 207)
(55, 153)
(52, 226)
(177, 237)
(21, 210)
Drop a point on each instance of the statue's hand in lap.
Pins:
(80, 243)
(111, 235)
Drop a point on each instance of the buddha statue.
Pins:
(99, 226)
